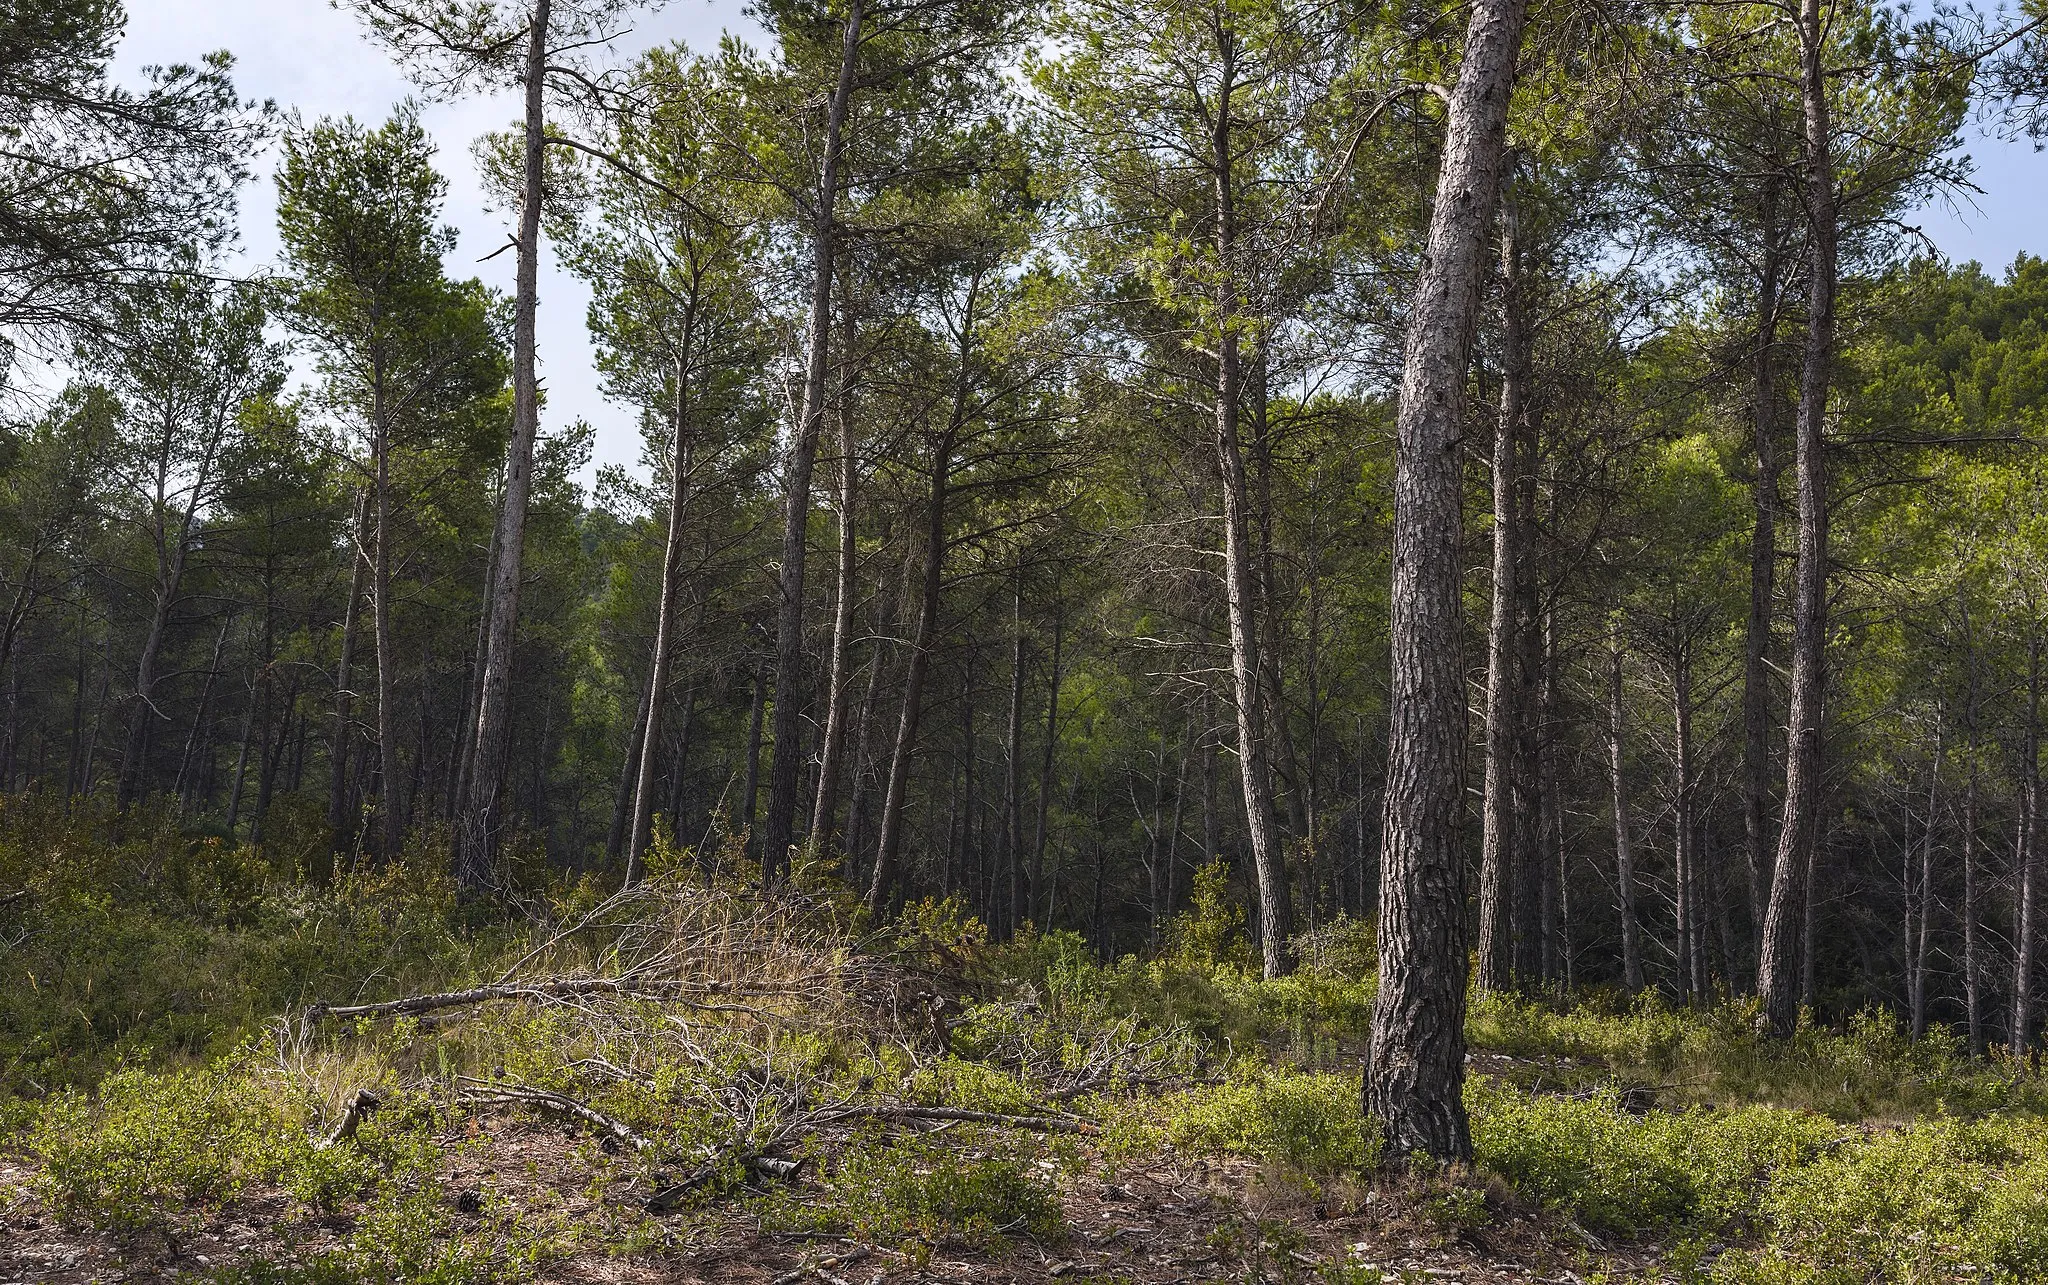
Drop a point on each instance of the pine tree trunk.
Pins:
(387, 658)
(1799, 832)
(1415, 1068)
(1691, 970)
(780, 829)
(1499, 874)
(1763, 568)
(832, 756)
(479, 821)
(884, 880)
(1013, 775)
(1241, 594)
(750, 796)
(671, 590)
(2025, 930)
(1624, 841)
(1047, 758)
(1973, 999)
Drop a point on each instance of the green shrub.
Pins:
(1309, 1123)
(146, 1146)
(1939, 1200)
(1614, 1171)
(917, 1191)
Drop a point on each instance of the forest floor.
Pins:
(691, 1080)
(1161, 1220)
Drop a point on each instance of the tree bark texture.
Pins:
(1415, 1066)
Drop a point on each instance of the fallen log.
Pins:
(1031, 1123)
(555, 988)
(556, 1102)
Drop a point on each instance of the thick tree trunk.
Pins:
(796, 484)
(1799, 832)
(478, 823)
(1499, 849)
(666, 613)
(1415, 1068)
(629, 778)
(1624, 838)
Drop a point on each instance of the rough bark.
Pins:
(1415, 1067)
(478, 823)
(1778, 972)
(779, 830)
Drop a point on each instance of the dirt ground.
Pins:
(1149, 1223)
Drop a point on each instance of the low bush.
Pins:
(1939, 1200)
(915, 1191)
(1613, 1171)
(146, 1146)
(1311, 1124)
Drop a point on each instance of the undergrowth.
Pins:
(154, 1069)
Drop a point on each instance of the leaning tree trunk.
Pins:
(478, 821)
(1415, 1067)
(665, 613)
(780, 826)
(1499, 848)
(1241, 595)
(1778, 971)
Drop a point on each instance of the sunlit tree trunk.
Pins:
(1415, 1067)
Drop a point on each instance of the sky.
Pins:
(311, 57)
